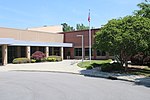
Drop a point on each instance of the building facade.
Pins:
(16, 43)
(75, 52)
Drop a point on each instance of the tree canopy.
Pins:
(144, 10)
(67, 28)
(124, 36)
(81, 27)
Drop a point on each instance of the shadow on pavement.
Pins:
(143, 81)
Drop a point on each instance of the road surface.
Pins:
(61, 86)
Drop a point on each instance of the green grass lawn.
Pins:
(131, 70)
(86, 64)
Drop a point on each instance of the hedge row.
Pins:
(26, 60)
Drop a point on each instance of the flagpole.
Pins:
(89, 37)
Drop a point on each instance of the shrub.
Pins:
(96, 65)
(38, 56)
(33, 61)
(58, 58)
(51, 59)
(137, 59)
(107, 67)
(140, 59)
(89, 67)
(20, 60)
(146, 61)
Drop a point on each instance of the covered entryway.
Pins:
(16, 52)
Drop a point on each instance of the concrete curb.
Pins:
(90, 75)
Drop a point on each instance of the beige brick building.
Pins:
(22, 43)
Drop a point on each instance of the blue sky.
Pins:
(33, 13)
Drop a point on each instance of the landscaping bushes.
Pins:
(140, 59)
(33, 61)
(20, 60)
(110, 67)
(57, 58)
(50, 59)
(146, 61)
(39, 56)
(137, 59)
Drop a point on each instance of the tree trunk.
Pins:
(126, 65)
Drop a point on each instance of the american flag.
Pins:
(89, 18)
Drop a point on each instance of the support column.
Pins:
(28, 52)
(4, 55)
(47, 51)
(18, 51)
(52, 50)
(62, 53)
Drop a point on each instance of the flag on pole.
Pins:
(89, 18)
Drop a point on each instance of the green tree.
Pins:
(67, 28)
(81, 27)
(144, 9)
(124, 37)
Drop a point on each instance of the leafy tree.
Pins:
(81, 27)
(144, 9)
(67, 28)
(124, 37)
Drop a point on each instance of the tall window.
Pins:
(78, 51)
(12, 53)
(57, 51)
(100, 53)
(86, 51)
(42, 49)
(33, 49)
(50, 51)
(23, 51)
(103, 53)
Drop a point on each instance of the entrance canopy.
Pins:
(14, 42)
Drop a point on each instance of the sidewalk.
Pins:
(70, 66)
(64, 66)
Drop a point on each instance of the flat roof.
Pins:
(13, 42)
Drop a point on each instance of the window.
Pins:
(23, 51)
(86, 51)
(42, 49)
(33, 49)
(50, 51)
(57, 51)
(103, 53)
(78, 51)
(100, 53)
(54, 51)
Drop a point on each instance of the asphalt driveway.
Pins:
(62, 86)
